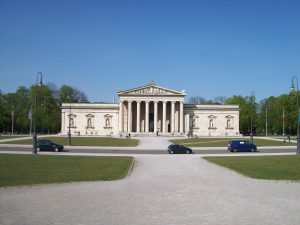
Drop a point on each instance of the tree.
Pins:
(48, 113)
(198, 100)
(71, 94)
(80, 96)
(21, 107)
(220, 99)
(244, 112)
(3, 112)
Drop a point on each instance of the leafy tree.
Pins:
(71, 94)
(48, 99)
(3, 111)
(244, 112)
(198, 100)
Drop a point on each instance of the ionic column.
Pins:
(147, 117)
(121, 117)
(173, 117)
(129, 116)
(155, 117)
(181, 118)
(164, 116)
(138, 116)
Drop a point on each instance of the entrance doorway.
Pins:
(151, 122)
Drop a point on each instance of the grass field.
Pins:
(2, 137)
(222, 142)
(262, 167)
(37, 169)
(86, 141)
(285, 138)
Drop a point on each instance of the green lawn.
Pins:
(262, 167)
(223, 142)
(285, 138)
(86, 141)
(2, 137)
(40, 169)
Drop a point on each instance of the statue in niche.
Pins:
(228, 123)
(107, 122)
(211, 123)
(194, 123)
(71, 122)
(89, 122)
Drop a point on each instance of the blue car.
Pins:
(241, 146)
(47, 145)
(172, 149)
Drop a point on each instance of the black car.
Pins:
(241, 146)
(47, 145)
(179, 149)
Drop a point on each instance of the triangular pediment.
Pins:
(151, 89)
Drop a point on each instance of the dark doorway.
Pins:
(151, 122)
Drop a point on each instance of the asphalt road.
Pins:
(145, 151)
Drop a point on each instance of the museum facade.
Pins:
(150, 110)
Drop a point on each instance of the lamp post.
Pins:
(69, 131)
(39, 82)
(252, 98)
(293, 89)
(266, 118)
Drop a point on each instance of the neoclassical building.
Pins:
(150, 110)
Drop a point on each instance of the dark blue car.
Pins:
(241, 146)
(172, 149)
(47, 145)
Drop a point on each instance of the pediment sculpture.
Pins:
(151, 91)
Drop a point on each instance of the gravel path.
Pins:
(169, 189)
(153, 142)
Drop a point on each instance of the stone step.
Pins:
(150, 134)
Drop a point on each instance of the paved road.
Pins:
(162, 189)
(145, 151)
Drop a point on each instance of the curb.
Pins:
(131, 167)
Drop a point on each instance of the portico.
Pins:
(151, 109)
(151, 116)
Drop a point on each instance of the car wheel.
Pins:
(56, 149)
(253, 150)
(38, 149)
(171, 152)
(188, 152)
(235, 150)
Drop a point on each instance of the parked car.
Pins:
(241, 146)
(172, 149)
(47, 145)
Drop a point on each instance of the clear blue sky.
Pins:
(209, 48)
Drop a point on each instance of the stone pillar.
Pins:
(181, 118)
(63, 125)
(173, 117)
(129, 116)
(187, 124)
(164, 116)
(147, 117)
(121, 117)
(155, 117)
(138, 116)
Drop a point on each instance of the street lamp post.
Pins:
(252, 98)
(266, 118)
(39, 82)
(293, 89)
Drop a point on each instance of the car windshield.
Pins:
(45, 142)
